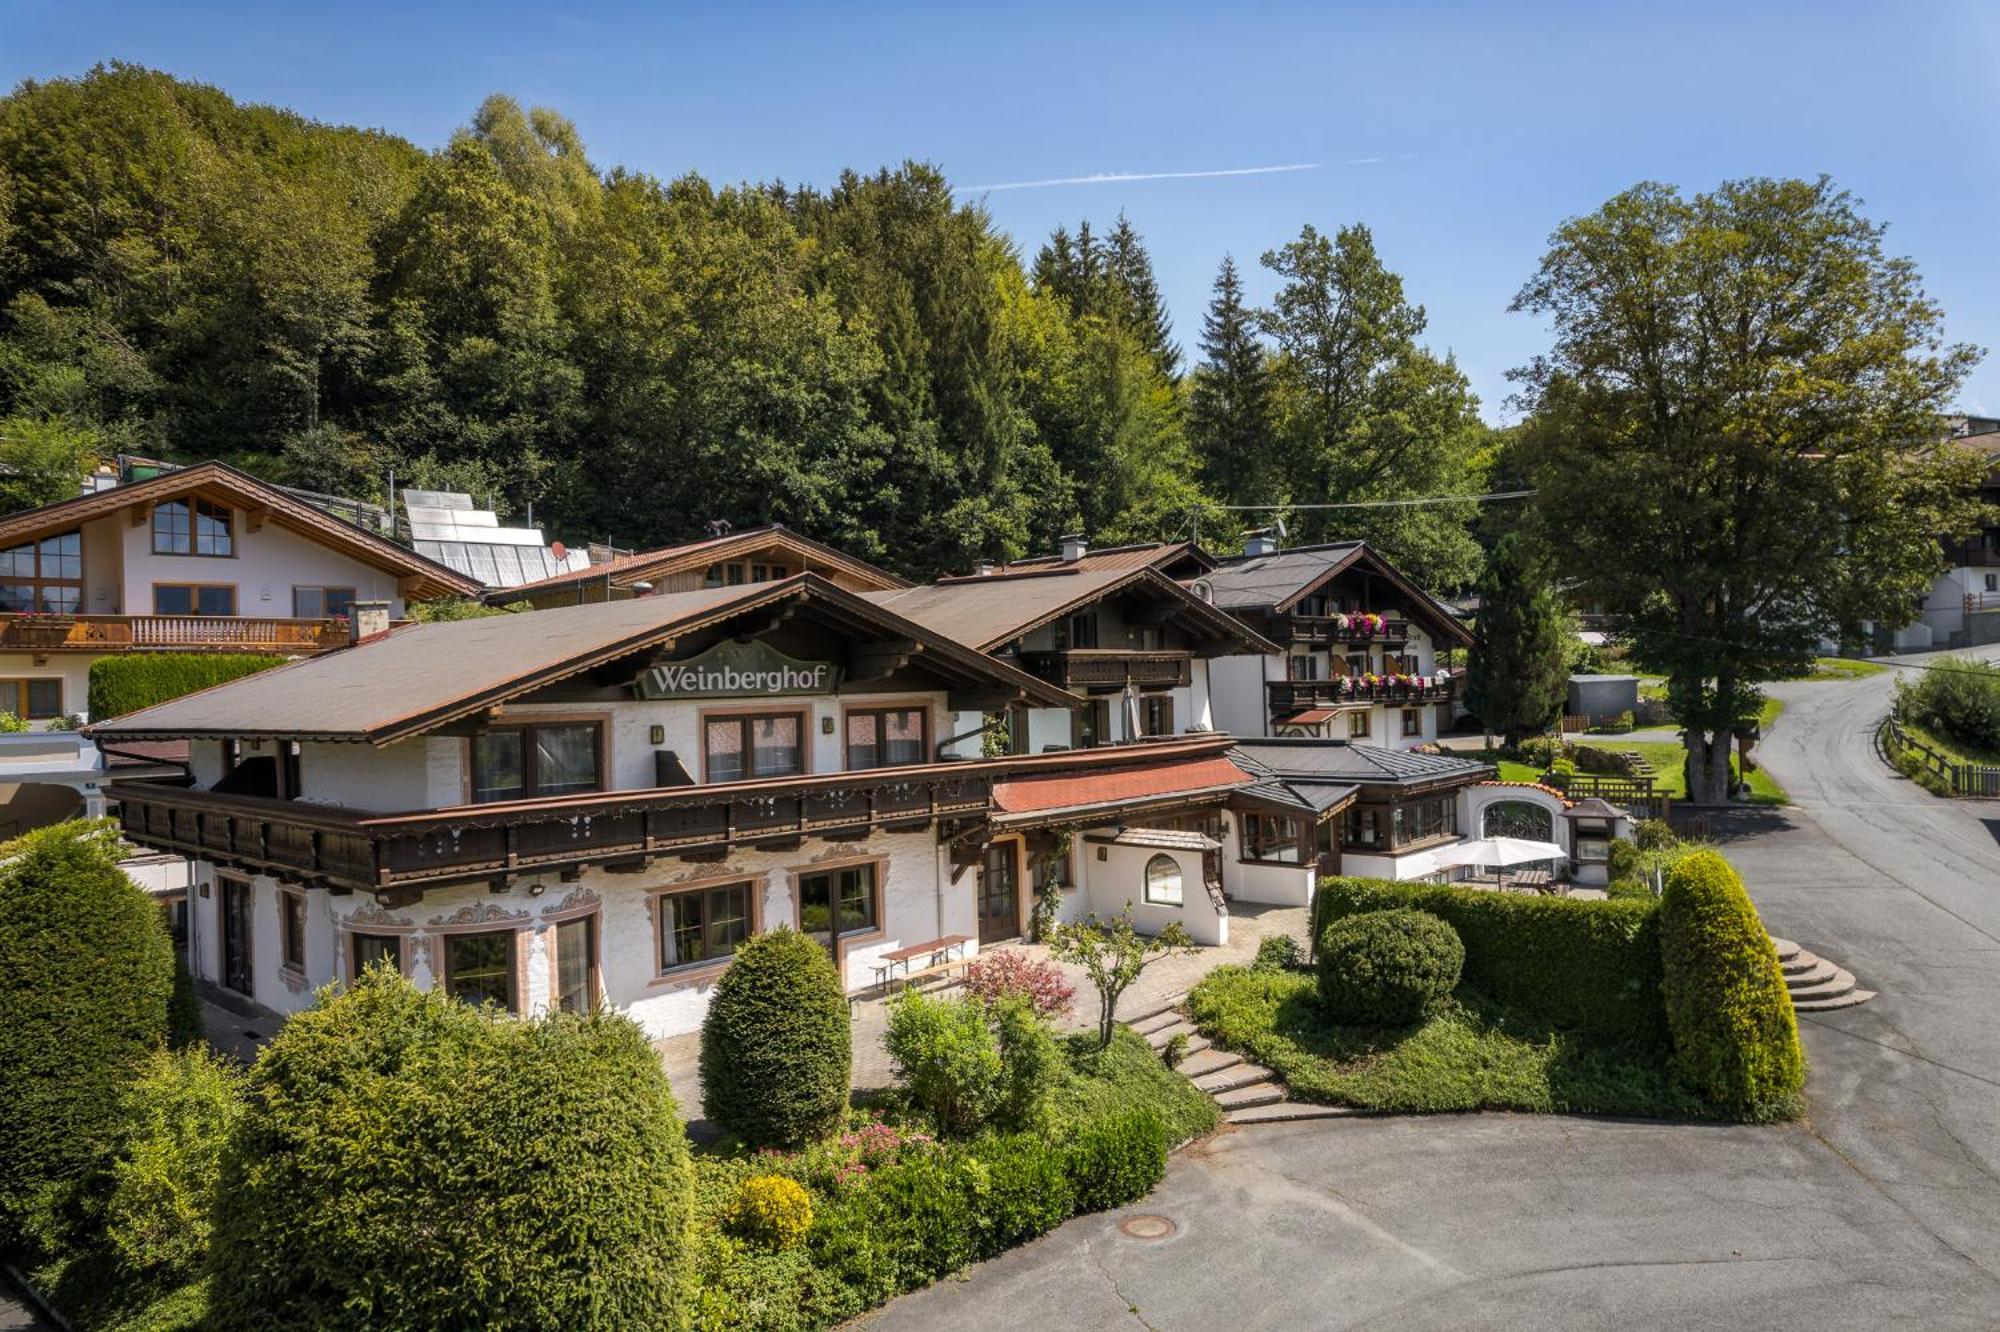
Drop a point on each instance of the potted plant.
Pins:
(42, 628)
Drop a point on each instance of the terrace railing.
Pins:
(1291, 695)
(170, 633)
(1111, 668)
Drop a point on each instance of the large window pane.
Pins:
(723, 751)
(862, 749)
(171, 532)
(576, 957)
(565, 759)
(173, 599)
(18, 562)
(903, 736)
(703, 924)
(215, 601)
(837, 902)
(45, 698)
(479, 968)
(370, 949)
(62, 556)
(497, 769)
(16, 598)
(774, 746)
(211, 529)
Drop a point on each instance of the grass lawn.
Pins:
(1474, 1055)
(1127, 1075)
(1842, 668)
(1954, 750)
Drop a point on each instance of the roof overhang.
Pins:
(1423, 607)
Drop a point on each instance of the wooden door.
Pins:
(999, 894)
(236, 936)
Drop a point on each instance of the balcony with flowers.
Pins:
(1288, 696)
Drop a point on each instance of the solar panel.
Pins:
(445, 526)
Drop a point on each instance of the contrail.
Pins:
(1113, 177)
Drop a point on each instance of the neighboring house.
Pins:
(1359, 649)
(755, 555)
(599, 803)
(1131, 646)
(196, 559)
(1963, 606)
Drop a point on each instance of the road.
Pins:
(1882, 1209)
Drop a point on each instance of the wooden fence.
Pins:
(1965, 779)
(1637, 796)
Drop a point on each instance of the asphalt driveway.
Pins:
(1883, 1209)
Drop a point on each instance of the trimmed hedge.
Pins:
(158, 1214)
(408, 1161)
(85, 974)
(1115, 1160)
(1588, 965)
(1735, 1036)
(1387, 968)
(123, 684)
(777, 1044)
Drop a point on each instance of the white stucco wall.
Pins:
(267, 565)
(1114, 877)
(1236, 693)
(72, 668)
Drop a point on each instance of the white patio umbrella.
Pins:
(1498, 853)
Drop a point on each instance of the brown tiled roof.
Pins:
(1147, 554)
(245, 493)
(640, 566)
(1146, 782)
(988, 610)
(1279, 580)
(420, 676)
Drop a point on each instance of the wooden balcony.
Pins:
(169, 633)
(1288, 696)
(1303, 629)
(1111, 668)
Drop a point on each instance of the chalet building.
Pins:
(598, 803)
(1361, 651)
(1131, 646)
(198, 559)
(755, 555)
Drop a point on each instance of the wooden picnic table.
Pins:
(943, 954)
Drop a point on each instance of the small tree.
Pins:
(777, 1044)
(1113, 954)
(1516, 682)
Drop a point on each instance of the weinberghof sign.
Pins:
(738, 670)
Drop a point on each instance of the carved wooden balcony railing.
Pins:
(1288, 696)
(1292, 629)
(1111, 668)
(170, 633)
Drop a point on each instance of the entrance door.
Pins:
(236, 935)
(999, 895)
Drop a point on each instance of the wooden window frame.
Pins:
(877, 711)
(322, 589)
(1164, 704)
(223, 883)
(194, 504)
(745, 715)
(516, 962)
(1360, 724)
(593, 917)
(37, 581)
(288, 899)
(879, 875)
(528, 722)
(1252, 845)
(18, 686)
(194, 599)
(689, 972)
(350, 963)
(1413, 722)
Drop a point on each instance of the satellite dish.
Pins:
(1204, 589)
(559, 550)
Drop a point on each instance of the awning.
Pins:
(1309, 716)
(1106, 791)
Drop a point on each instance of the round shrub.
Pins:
(770, 1210)
(404, 1160)
(777, 1045)
(85, 975)
(1623, 859)
(178, 1116)
(1387, 968)
(1653, 835)
(1278, 952)
(1735, 1037)
(1027, 1192)
(948, 1058)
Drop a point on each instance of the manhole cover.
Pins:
(1147, 1226)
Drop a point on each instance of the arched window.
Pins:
(1163, 881)
(1518, 818)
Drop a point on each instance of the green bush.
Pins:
(1958, 697)
(911, 1223)
(1114, 1160)
(1026, 1191)
(1622, 860)
(777, 1045)
(1654, 835)
(1030, 1063)
(184, 1022)
(123, 684)
(178, 1116)
(1629, 890)
(85, 975)
(947, 1057)
(1588, 965)
(1735, 1036)
(1278, 952)
(1387, 968)
(408, 1161)
(771, 1210)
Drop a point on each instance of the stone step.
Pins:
(1210, 1061)
(1229, 1079)
(1159, 1036)
(1285, 1112)
(1154, 1021)
(1842, 983)
(1152, 1008)
(1821, 972)
(1787, 950)
(1243, 1098)
(1848, 1000)
(1803, 962)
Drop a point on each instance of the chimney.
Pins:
(986, 569)
(1074, 547)
(1260, 542)
(365, 619)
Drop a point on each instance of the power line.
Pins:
(1378, 504)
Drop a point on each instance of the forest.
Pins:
(869, 361)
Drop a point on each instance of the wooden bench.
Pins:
(941, 954)
(1534, 881)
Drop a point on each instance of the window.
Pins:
(479, 968)
(32, 700)
(576, 965)
(1357, 724)
(45, 575)
(1357, 664)
(194, 599)
(191, 527)
(1083, 630)
(702, 924)
(321, 603)
(1163, 881)
(837, 902)
(1271, 837)
(1413, 721)
(1156, 714)
(1090, 725)
(292, 930)
(1302, 668)
(1050, 872)
(1363, 826)
(524, 762)
(734, 748)
(238, 912)
(723, 574)
(370, 949)
(885, 738)
(768, 573)
(1993, 582)
(1423, 820)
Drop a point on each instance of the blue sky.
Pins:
(1460, 133)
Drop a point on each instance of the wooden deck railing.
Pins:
(1979, 780)
(170, 633)
(1085, 668)
(1290, 695)
(1326, 629)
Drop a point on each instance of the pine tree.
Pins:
(1229, 407)
(1129, 271)
(1518, 677)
